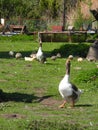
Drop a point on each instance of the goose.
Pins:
(29, 58)
(70, 57)
(11, 53)
(80, 59)
(40, 55)
(18, 55)
(53, 58)
(58, 55)
(67, 90)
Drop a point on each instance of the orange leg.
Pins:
(62, 105)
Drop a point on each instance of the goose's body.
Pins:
(40, 55)
(67, 90)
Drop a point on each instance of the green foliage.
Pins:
(89, 76)
(11, 8)
(74, 49)
(15, 8)
(50, 10)
(28, 9)
(79, 21)
(16, 38)
(92, 37)
(36, 25)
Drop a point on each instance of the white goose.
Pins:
(68, 91)
(40, 55)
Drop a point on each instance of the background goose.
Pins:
(11, 53)
(29, 58)
(68, 91)
(40, 55)
(18, 55)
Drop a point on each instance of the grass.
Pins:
(29, 90)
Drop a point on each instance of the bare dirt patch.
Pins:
(50, 102)
(18, 116)
(3, 80)
(46, 100)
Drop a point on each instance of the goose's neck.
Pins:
(40, 44)
(40, 48)
(68, 67)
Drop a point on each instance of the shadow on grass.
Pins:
(43, 98)
(80, 49)
(5, 54)
(20, 97)
(84, 105)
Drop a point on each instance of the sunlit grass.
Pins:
(30, 89)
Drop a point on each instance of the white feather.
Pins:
(28, 59)
(39, 54)
(65, 87)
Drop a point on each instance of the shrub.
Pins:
(72, 49)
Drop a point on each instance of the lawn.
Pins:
(29, 90)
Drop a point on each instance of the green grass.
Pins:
(30, 96)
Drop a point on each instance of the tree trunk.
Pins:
(93, 52)
(64, 13)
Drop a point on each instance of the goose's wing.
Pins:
(74, 87)
(75, 92)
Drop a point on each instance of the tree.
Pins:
(50, 8)
(64, 13)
